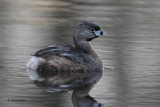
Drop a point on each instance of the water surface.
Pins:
(130, 52)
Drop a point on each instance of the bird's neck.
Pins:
(86, 47)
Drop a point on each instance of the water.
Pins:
(130, 53)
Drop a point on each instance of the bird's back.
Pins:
(62, 67)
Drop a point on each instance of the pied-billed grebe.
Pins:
(60, 68)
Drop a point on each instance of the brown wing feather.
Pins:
(64, 68)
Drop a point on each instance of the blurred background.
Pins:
(130, 52)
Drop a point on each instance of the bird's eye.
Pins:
(92, 29)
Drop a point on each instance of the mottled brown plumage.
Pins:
(63, 67)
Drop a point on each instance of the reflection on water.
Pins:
(81, 100)
(130, 53)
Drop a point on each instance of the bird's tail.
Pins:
(32, 67)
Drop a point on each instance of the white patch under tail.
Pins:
(32, 66)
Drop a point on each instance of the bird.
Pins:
(63, 67)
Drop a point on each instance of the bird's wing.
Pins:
(64, 68)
